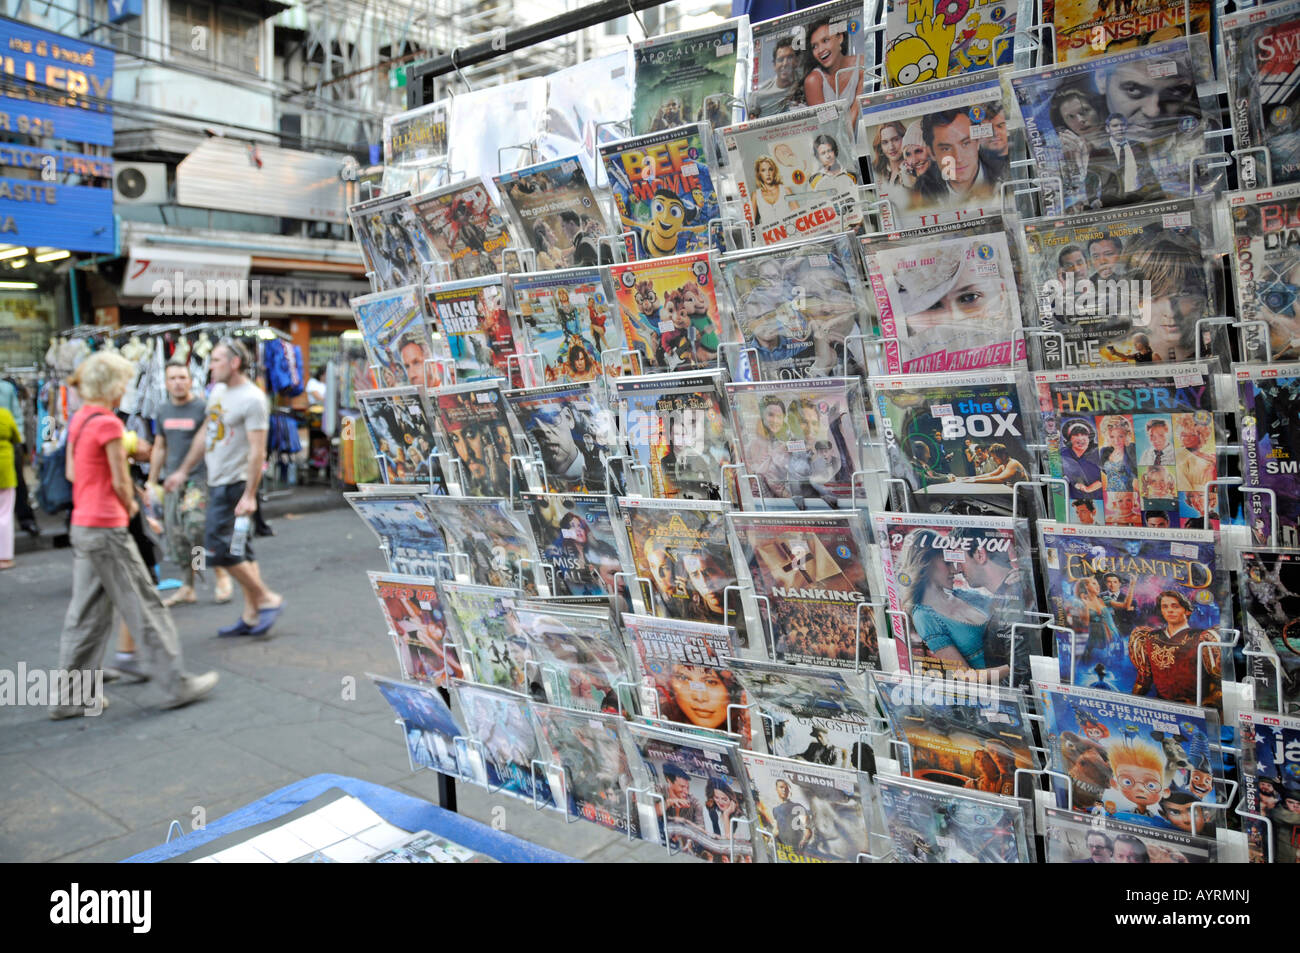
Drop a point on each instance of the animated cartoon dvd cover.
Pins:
(926, 40)
(939, 824)
(412, 544)
(564, 315)
(495, 538)
(960, 592)
(575, 536)
(574, 432)
(807, 572)
(960, 442)
(690, 76)
(670, 313)
(393, 243)
(1270, 781)
(492, 652)
(466, 230)
(1085, 29)
(473, 422)
(1073, 837)
(1269, 586)
(402, 436)
(1268, 407)
(1144, 608)
(809, 57)
(554, 212)
(815, 814)
(499, 726)
(396, 339)
(474, 325)
(414, 615)
(429, 725)
(665, 188)
(1266, 259)
(1135, 760)
(1132, 446)
(596, 776)
(1261, 53)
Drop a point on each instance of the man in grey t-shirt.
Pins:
(233, 447)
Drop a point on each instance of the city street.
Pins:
(289, 706)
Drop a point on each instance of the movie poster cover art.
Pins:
(1267, 411)
(821, 716)
(809, 57)
(428, 723)
(475, 325)
(575, 536)
(392, 242)
(574, 433)
(500, 728)
(956, 440)
(1270, 781)
(596, 774)
(687, 77)
(397, 342)
(555, 212)
(682, 550)
(493, 652)
(1261, 59)
(412, 544)
(413, 612)
(796, 173)
(579, 658)
(669, 310)
(564, 316)
(958, 733)
(685, 673)
(1076, 838)
(465, 228)
(957, 588)
(704, 806)
(941, 152)
(1135, 446)
(926, 40)
(1141, 603)
(811, 573)
(665, 189)
(815, 814)
(678, 434)
(472, 419)
(1266, 254)
(1090, 28)
(402, 436)
(416, 136)
(1135, 760)
(796, 306)
(937, 824)
(1090, 125)
(799, 439)
(496, 539)
(1269, 584)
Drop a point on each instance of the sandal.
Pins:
(177, 598)
(7, 564)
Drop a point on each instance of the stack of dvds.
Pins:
(867, 476)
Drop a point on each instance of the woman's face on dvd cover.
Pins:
(701, 694)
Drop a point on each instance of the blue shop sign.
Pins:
(53, 86)
(119, 10)
(75, 217)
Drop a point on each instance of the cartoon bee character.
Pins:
(670, 218)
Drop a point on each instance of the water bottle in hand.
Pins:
(239, 539)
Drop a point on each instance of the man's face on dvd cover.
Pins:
(1150, 106)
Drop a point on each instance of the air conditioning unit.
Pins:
(140, 183)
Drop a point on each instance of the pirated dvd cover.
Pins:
(960, 591)
(1261, 52)
(821, 716)
(959, 442)
(682, 556)
(467, 231)
(798, 439)
(665, 189)
(564, 316)
(927, 40)
(494, 537)
(575, 434)
(1266, 255)
(945, 301)
(1121, 129)
(472, 419)
(1135, 760)
(815, 814)
(575, 536)
(1125, 286)
(703, 806)
(958, 732)
(937, 824)
(1076, 838)
(492, 652)
(809, 57)
(796, 173)
(1270, 781)
(392, 241)
(472, 318)
(1269, 584)
(402, 436)
(808, 576)
(687, 77)
(678, 434)
(413, 612)
(669, 310)
(416, 136)
(397, 342)
(499, 725)
(555, 212)
(1134, 447)
(685, 674)
(797, 305)
(941, 152)
(1089, 28)
(588, 747)
(430, 727)
(1141, 605)
(579, 659)
(1268, 407)
(412, 544)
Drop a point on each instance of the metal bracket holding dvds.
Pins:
(526, 255)
(857, 633)
(1209, 806)
(873, 74)
(609, 479)
(1276, 662)
(428, 277)
(1205, 497)
(440, 365)
(469, 566)
(639, 579)
(867, 340)
(897, 744)
(731, 838)
(1069, 636)
(743, 587)
(741, 351)
(622, 354)
(1027, 332)
(1211, 160)
(624, 711)
(530, 147)
(908, 503)
(519, 573)
(529, 380)
(565, 782)
(1265, 339)
(1206, 321)
(662, 813)
(1046, 772)
(1200, 667)
(467, 742)
(1036, 185)
(1268, 828)
(853, 486)
(729, 708)
(1043, 481)
(1247, 166)
(1272, 506)
(906, 636)
(647, 484)
(618, 245)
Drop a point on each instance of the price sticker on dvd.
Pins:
(796, 446)
(666, 326)
(690, 168)
(819, 261)
(1162, 68)
(983, 131)
(954, 556)
(724, 49)
(825, 114)
(485, 397)
(1183, 550)
(941, 410)
(1176, 220)
(1188, 380)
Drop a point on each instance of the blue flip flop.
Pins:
(239, 628)
(265, 619)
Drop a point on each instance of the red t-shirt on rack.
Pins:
(93, 501)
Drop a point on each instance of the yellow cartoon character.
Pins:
(919, 58)
(980, 53)
(670, 216)
(216, 426)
